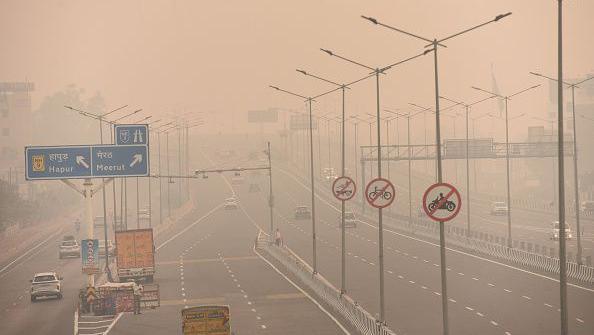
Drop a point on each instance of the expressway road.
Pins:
(206, 258)
(485, 296)
(529, 226)
(209, 259)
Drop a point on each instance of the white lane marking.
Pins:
(26, 253)
(492, 285)
(410, 281)
(424, 287)
(460, 273)
(437, 245)
(469, 308)
(452, 300)
(506, 290)
(190, 226)
(527, 298)
(113, 323)
(494, 323)
(579, 320)
(548, 305)
(344, 330)
(263, 326)
(474, 278)
(480, 314)
(436, 293)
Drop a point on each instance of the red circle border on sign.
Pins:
(431, 188)
(367, 192)
(354, 186)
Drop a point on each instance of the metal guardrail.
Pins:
(499, 249)
(344, 305)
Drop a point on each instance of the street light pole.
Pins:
(377, 71)
(435, 43)
(467, 112)
(507, 167)
(312, 177)
(573, 86)
(342, 207)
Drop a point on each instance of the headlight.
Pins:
(569, 236)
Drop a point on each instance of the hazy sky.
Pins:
(220, 56)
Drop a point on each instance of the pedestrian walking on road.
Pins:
(278, 238)
(137, 290)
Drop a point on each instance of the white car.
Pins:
(499, 208)
(46, 284)
(69, 248)
(555, 231)
(230, 203)
(349, 220)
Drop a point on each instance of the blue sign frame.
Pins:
(131, 134)
(90, 161)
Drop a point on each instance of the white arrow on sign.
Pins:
(80, 160)
(137, 159)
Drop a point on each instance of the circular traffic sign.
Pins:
(344, 188)
(442, 202)
(380, 193)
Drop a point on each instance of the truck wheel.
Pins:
(59, 296)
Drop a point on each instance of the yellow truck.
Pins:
(201, 320)
(135, 254)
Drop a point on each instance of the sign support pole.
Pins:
(88, 193)
(342, 230)
(444, 287)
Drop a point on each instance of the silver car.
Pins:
(46, 284)
(69, 248)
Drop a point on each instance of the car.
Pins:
(98, 222)
(555, 231)
(329, 174)
(69, 248)
(46, 284)
(110, 248)
(230, 203)
(302, 213)
(144, 214)
(68, 238)
(237, 180)
(499, 208)
(349, 220)
(587, 207)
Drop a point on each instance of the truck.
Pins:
(211, 320)
(135, 255)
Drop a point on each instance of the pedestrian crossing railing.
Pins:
(342, 304)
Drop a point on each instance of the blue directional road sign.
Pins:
(77, 162)
(120, 161)
(58, 162)
(131, 134)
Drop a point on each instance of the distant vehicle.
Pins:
(237, 180)
(110, 248)
(144, 214)
(349, 220)
(587, 207)
(555, 231)
(68, 238)
(98, 221)
(69, 248)
(329, 174)
(230, 203)
(499, 208)
(302, 213)
(202, 320)
(46, 284)
(135, 255)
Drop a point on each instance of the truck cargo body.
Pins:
(135, 254)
